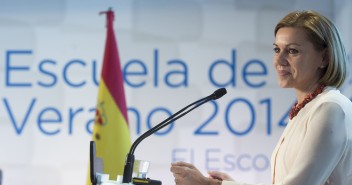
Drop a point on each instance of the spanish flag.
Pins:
(111, 131)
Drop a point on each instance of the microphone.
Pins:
(218, 93)
(128, 169)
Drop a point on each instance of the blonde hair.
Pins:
(323, 34)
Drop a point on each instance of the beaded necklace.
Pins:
(297, 107)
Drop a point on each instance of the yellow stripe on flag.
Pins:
(110, 135)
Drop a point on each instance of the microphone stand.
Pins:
(128, 169)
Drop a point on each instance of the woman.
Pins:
(316, 146)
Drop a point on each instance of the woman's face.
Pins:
(298, 64)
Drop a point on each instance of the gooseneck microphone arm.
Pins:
(128, 169)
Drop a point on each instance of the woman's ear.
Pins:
(325, 59)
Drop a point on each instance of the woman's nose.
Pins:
(281, 59)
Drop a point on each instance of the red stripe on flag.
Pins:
(111, 66)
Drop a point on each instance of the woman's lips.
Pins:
(283, 72)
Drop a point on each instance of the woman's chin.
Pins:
(284, 84)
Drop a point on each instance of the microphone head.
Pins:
(218, 93)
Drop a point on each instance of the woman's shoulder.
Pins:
(332, 96)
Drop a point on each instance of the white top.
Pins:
(316, 146)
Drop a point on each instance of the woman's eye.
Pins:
(276, 50)
(292, 51)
